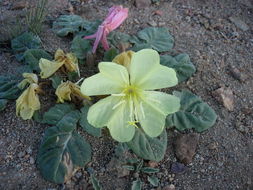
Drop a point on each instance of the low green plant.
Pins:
(123, 97)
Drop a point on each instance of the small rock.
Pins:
(21, 154)
(141, 4)
(122, 172)
(152, 23)
(239, 23)
(136, 175)
(136, 21)
(19, 5)
(178, 167)
(161, 24)
(185, 147)
(32, 161)
(158, 12)
(225, 96)
(169, 187)
(237, 74)
(171, 179)
(213, 146)
(152, 164)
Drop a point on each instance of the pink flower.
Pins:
(116, 15)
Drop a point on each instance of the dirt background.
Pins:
(217, 45)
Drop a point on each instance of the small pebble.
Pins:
(32, 161)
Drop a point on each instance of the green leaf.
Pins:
(182, 65)
(9, 87)
(147, 147)
(62, 115)
(67, 24)
(115, 38)
(110, 54)
(3, 103)
(136, 185)
(85, 124)
(32, 57)
(80, 47)
(138, 47)
(194, 113)
(129, 167)
(72, 76)
(91, 27)
(24, 42)
(56, 80)
(153, 180)
(62, 152)
(155, 38)
(139, 166)
(95, 183)
(149, 170)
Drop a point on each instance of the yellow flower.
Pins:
(68, 62)
(132, 97)
(67, 90)
(28, 102)
(29, 78)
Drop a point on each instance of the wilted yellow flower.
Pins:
(28, 102)
(124, 58)
(29, 78)
(67, 90)
(68, 61)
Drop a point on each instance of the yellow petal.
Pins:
(63, 92)
(28, 102)
(66, 89)
(59, 55)
(71, 63)
(48, 68)
(147, 73)
(29, 78)
(124, 58)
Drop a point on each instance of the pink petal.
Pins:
(99, 35)
(104, 40)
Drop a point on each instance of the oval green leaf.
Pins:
(3, 103)
(85, 124)
(32, 57)
(147, 147)
(193, 113)
(67, 24)
(156, 38)
(181, 63)
(24, 42)
(80, 47)
(62, 152)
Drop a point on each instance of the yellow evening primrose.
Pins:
(29, 78)
(132, 97)
(68, 61)
(67, 89)
(28, 102)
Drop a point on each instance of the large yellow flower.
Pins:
(132, 97)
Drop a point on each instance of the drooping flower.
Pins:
(124, 59)
(132, 97)
(28, 102)
(116, 15)
(29, 78)
(68, 62)
(67, 90)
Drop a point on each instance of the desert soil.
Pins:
(220, 47)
